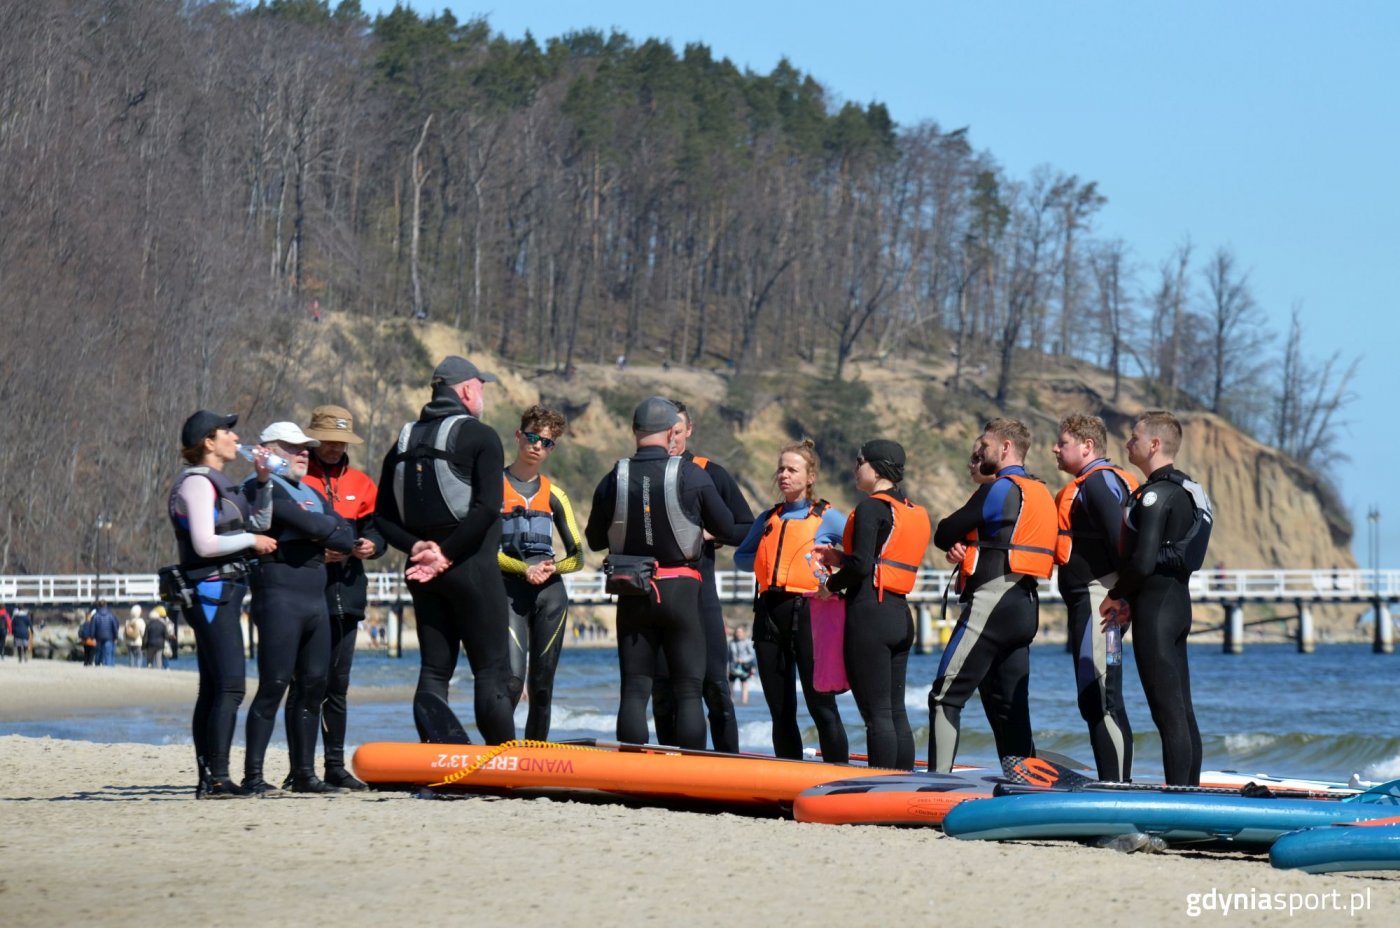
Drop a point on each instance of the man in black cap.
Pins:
(651, 513)
(719, 699)
(440, 503)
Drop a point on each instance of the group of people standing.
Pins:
(485, 575)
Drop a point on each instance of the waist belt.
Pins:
(234, 570)
(673, 573)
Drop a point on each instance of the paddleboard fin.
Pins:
(436, 722)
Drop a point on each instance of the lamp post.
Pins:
(103, 525)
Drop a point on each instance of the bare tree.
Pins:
(1309, 400)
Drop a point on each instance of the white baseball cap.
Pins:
(288, 432)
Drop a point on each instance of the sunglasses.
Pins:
(534, 438)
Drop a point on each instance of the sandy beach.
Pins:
(110, 834)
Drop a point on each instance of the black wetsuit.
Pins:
(353, 495)
(220, 583)
(1095, 520)
(719, 698)
(669, 621)
(539, 613)
(879, 635)
(465, 606)
(989, 651)
(1161, 513)
(289, 610)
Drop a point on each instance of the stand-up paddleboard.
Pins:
(900, 799)
(1373, 845)
(1296, 787)
(638, 771)
(1175, 817)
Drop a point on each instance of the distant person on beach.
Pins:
(742, 662)
(212, 519)
(133, 631)
(651, 513)
(153, 639)
(444, 511)
(715, 691)
(289, 611)
(877, 565)
(1089, 512)
(534, 508)
(5, 626)
(778, 550)
(1003, 539)
(353, 494)
(1165, 536)
(21, 626)
(105, 629)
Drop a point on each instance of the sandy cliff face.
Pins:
(1269, 511)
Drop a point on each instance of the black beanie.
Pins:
(886, 457)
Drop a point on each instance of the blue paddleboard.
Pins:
(1174, 817)
(1338, 848)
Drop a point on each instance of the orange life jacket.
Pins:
(1064, 502)
(780, 562)
(1033, 539)
(701, 461)
(526, 523)
(897, 565)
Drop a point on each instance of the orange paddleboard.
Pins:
(639, 771)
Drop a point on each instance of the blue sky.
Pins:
(1269, 127)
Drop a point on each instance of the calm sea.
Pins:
(1269, 710)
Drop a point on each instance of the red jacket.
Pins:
(352, 494)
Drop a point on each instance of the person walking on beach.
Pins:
(444, 511)
(289, 610)
(352, 494)
(1089, 517)
(153, 639)
(21, 626)
(212, 519)
(533, 509)
(105, 630)
(1165, 536)
(877, 565)
(650, 513)
(132, 633)
(742, 662)
(5, 626)
(1003, 538)
(778, 549)
(715, 691)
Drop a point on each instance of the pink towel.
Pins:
(829, 645)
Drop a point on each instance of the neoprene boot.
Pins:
(307, 782)
(339, 776)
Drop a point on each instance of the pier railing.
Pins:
(735, 586)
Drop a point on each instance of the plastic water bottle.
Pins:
(1113, 641)
(1134, 841)
(818, 569)
(275, 462)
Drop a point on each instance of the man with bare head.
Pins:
(1090, 516)
(1166, 531)
(1006, 535)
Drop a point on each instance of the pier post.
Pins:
(1384, 642)
(1307, 639)
(1234, 628)
(923, 630)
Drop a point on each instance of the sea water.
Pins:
(1268, 710)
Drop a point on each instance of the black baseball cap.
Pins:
(655, 414)
(454, 370)
(201, 424)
